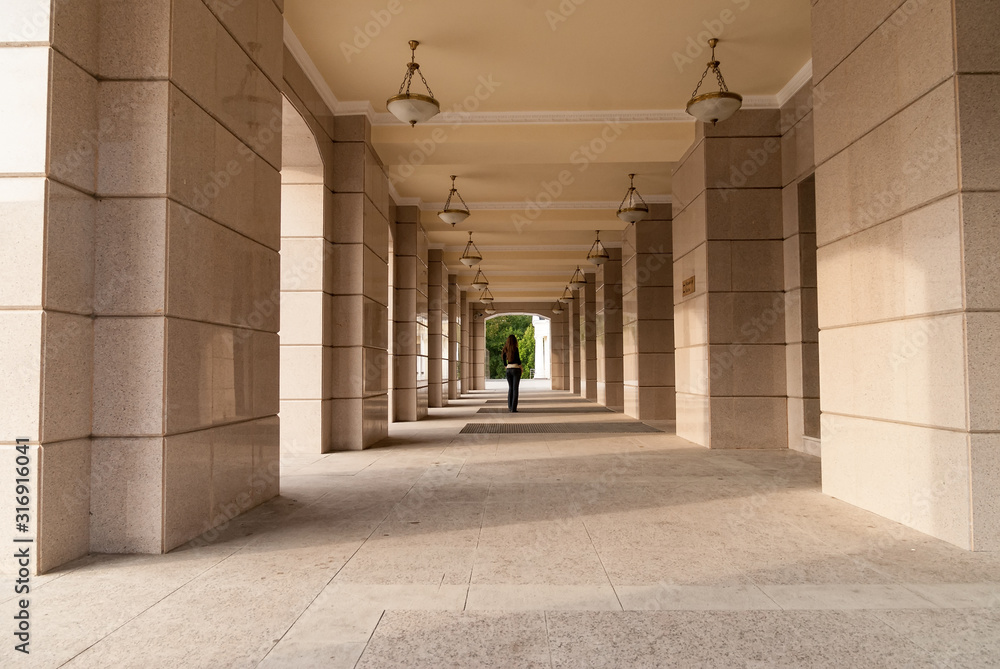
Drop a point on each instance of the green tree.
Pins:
(497, 331)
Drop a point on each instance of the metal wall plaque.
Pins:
(687, 288)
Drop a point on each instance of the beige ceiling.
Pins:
(562, 57)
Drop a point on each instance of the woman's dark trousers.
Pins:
(513, 381)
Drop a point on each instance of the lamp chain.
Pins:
(452, 193)
(429, 91)
(408, 77)
(696, 88)
(405, 86)
(722, 82)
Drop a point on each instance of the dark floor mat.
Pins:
(591, 409)
(522, 400)
(615, 427)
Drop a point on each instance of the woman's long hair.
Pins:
(510, 348)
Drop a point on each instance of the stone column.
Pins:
(728, 285)
(560, 350)
(49, 127)
(465, 381)
(477, 346)
(608, 301)
(423, 373)
(360, 286)
(648, 317)
(185, 275)
(454, 336)
(907, 195)
(409, 318)
(575, 365)
(437, 330)
(588, 338)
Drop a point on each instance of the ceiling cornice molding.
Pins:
(546, 117)
(760, 102)
(524, 204)
(801, 78)
(305, 61)
(401, 201)
(354, 108)
(453, 118)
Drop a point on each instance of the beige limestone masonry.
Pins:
(306, 250)
(410, 338)
(588, 338)
(454, 335)
(907, 327)
(648, 317)
(437, 329)
(728, 248)
(608, 322)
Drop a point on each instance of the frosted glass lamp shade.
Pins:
(633, 214)
(714, 107)
(453, 216)
(412, 108)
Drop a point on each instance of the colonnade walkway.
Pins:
(571, 543)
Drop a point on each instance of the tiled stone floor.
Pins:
(553, 550)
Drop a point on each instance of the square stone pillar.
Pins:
(608, 301)
(588, 338)
(140, 271)
(437, 329)
(477, 346)
(454, 335)
(575, 366)
(648, 317)
(560, 350)
(907, 224)
(728, 285)
(410, 317)
(360, 286)
(465, 380)
(48, 149)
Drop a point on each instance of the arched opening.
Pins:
(306, 356)
(536, 356)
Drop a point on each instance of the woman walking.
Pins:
(512, 361)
